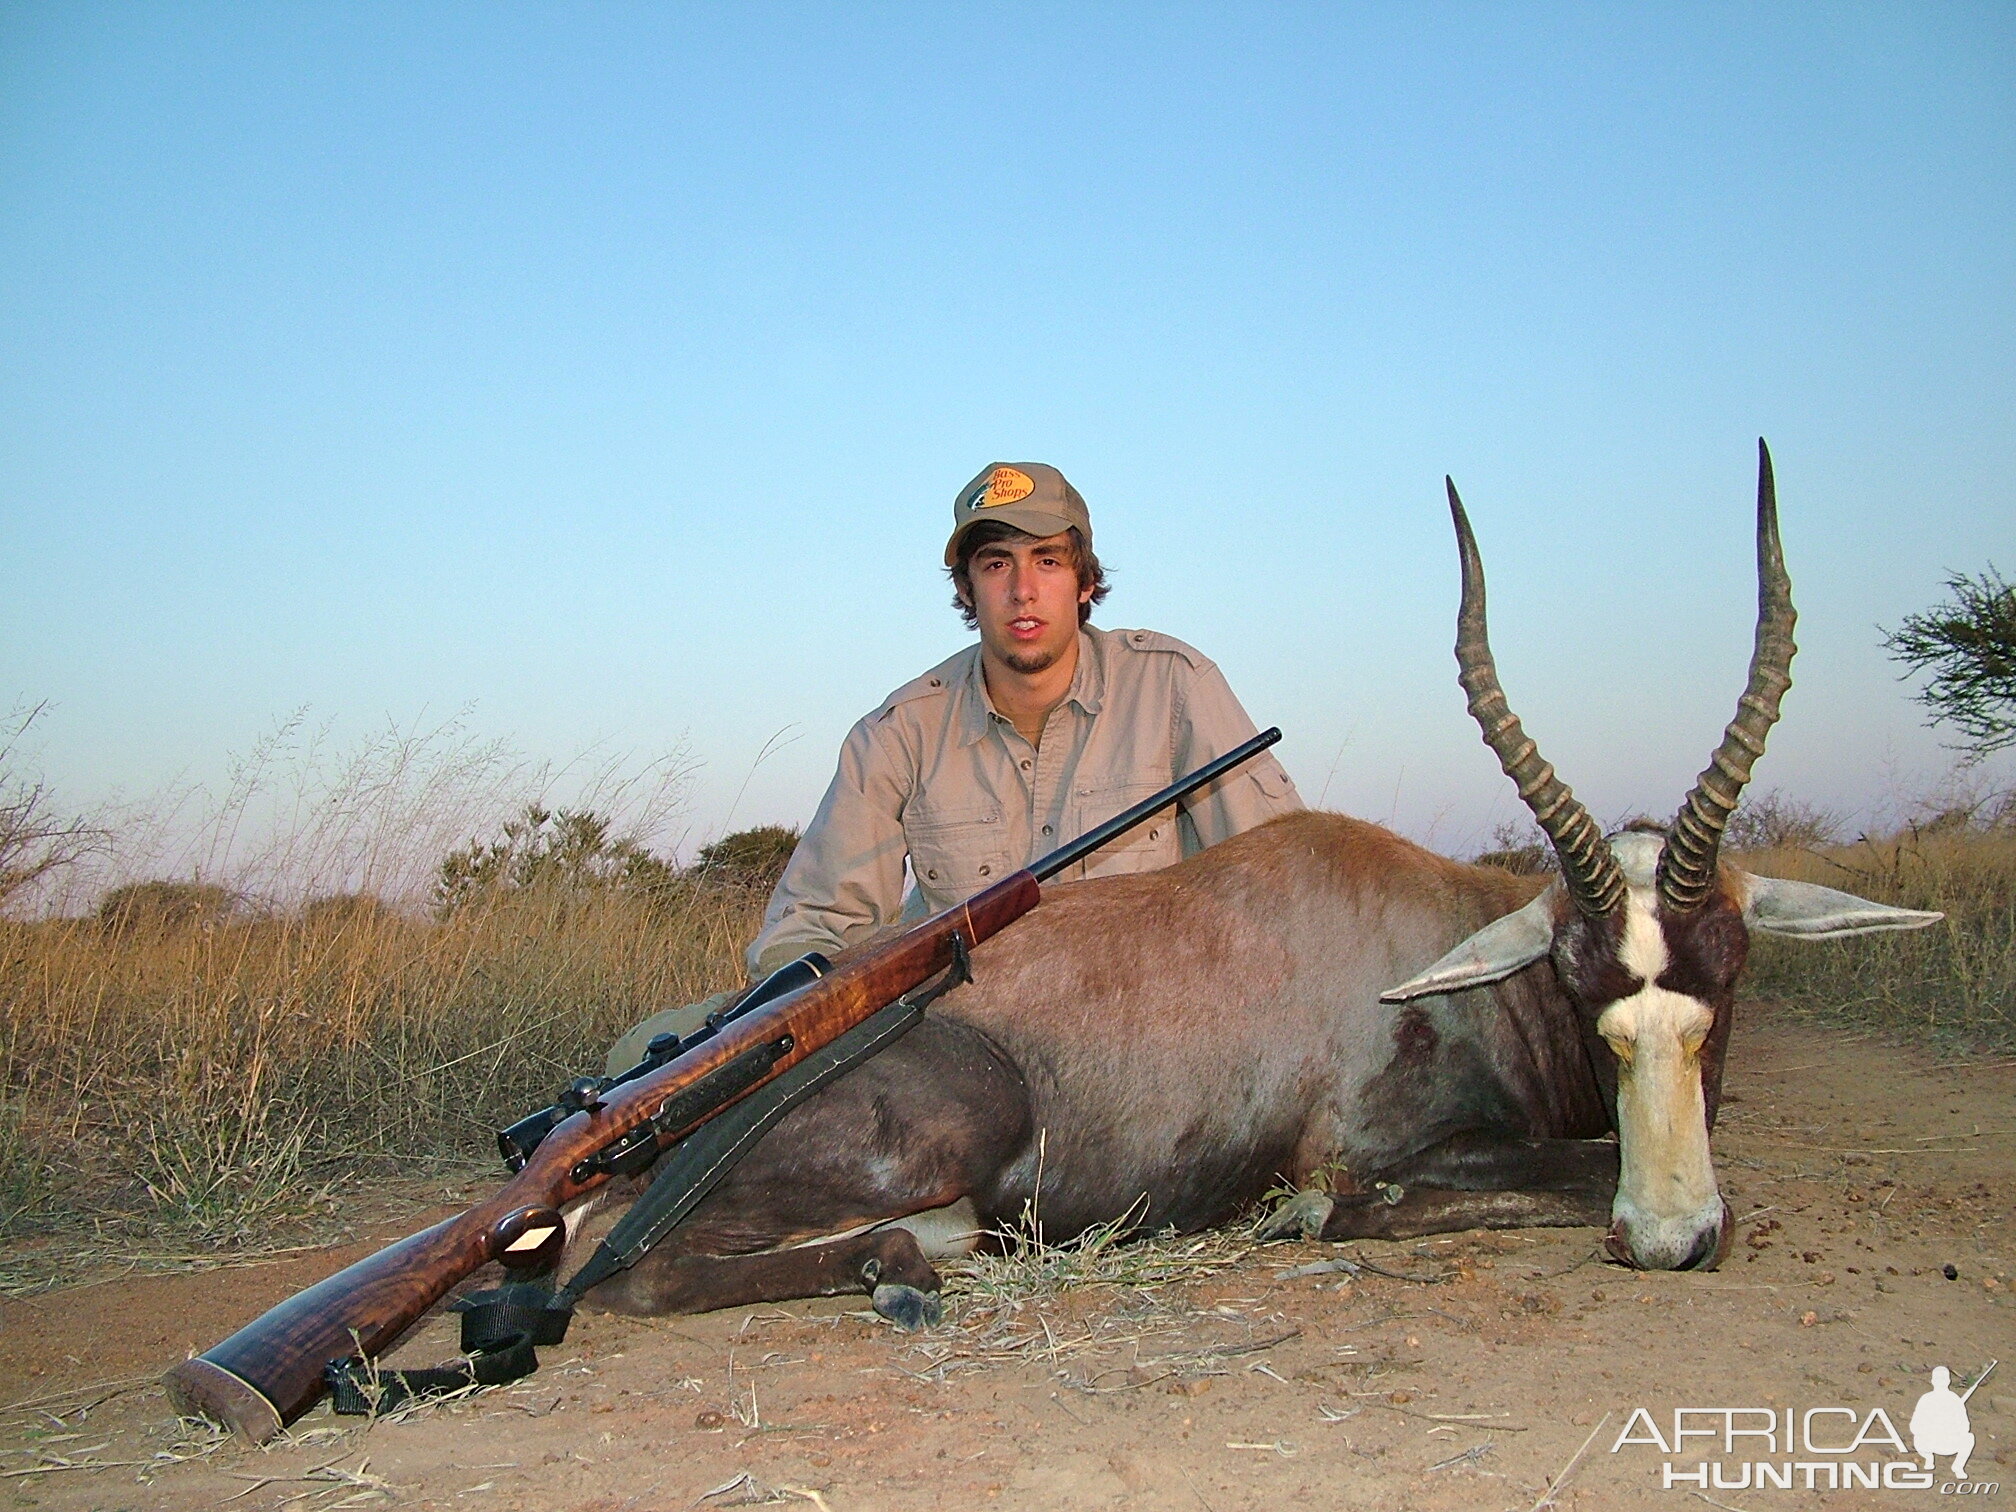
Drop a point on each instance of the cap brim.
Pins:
(1038, 522)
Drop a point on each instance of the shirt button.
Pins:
(1154, 834)
(931, 875)
(986, 871)
(1046, 829)
(937, 682)
(1025, 766)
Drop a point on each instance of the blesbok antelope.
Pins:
(1161, 1048)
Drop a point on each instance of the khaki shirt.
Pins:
(936, 776)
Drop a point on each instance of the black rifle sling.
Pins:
(500, 1327)
(693, 1167)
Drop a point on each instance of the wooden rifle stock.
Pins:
(271, 1371)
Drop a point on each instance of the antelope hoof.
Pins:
(908, 1308)
(1300, 1217)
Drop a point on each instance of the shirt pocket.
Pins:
(954, 853)
(1149, 846)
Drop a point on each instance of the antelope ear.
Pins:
(1777, 906)
(1494, 952)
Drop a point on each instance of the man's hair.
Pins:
(988, 532)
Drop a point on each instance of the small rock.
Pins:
(1808, 1319)
(1400, 1398)
(1950, 1272)
(710, 1420)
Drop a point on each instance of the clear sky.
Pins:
(609, 369)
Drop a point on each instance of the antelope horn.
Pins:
(1591, 873)
(1687, 865)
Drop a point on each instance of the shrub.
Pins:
(1520, 849)
(751, 858)
(1770, 819)
(570, 851)
(161, 907)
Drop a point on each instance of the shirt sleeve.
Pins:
(1210, 722)
(845, 879)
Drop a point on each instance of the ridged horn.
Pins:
(1591, 873)
(1687, 865)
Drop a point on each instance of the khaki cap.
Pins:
(1031, 496)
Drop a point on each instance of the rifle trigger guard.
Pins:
(957, 974)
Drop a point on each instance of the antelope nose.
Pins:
(1657, 1246)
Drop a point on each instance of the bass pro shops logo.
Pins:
(1817, 1448)
(1004, 485)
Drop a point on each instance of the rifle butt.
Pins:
(270, 1372)
(199, 1389)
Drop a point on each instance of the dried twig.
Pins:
(1554, 1486)
(1469, 1456)
(111, 1388)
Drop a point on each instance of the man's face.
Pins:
(1026, 597)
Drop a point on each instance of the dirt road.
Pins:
(1860, 1175)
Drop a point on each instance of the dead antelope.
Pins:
(1165, 1046)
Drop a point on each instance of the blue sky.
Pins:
(608, 370)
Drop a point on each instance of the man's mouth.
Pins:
(1025, 628)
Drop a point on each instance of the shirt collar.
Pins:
(1088, 688)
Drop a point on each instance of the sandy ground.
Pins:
(1860, 1174)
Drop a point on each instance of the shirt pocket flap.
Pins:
(1272, 779)
(956, 850)
(1151, 844)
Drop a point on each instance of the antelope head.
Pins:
(1647, 930)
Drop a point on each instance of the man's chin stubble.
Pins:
(1029, 662)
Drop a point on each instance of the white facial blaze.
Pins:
(1666, 1190)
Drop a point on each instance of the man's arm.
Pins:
(845, 879)
(1210, 722)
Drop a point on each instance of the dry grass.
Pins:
(1954, 983)
(213, 1077)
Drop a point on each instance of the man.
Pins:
(1013, 746)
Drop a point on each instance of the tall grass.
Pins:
(233, 998)
(215, 1075)
(1954, 983)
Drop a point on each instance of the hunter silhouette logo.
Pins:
(1939, 1422)
(1816, 1448)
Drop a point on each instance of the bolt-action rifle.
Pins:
(693, 1107)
